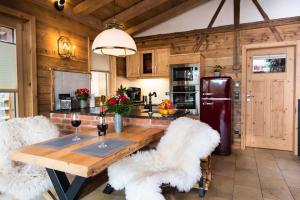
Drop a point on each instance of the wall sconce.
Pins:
(59, 5)
(65, 47)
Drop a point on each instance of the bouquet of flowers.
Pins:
(82, 94)
(119, 103)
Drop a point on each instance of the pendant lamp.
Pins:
(114, 41)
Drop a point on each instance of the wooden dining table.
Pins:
(87, 169)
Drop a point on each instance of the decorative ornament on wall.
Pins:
(114, 41)
(65, 47)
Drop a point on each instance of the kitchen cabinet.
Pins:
(162, 63)
(148, 63)
(133, 66)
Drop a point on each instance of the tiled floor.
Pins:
(252, 174)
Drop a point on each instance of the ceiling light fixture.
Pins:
(59, 4)
(114, 41)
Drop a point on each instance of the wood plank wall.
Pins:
(50, 25)
(219, 50)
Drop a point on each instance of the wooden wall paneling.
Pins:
(88, 20)
(113, 76)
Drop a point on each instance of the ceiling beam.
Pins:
(135, 10)
(88, 6)
(267, 20)
(90, 21)
(177, 10)
(213, 19)
(220, 29)
(203, 37)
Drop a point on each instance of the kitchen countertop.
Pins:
(135, 113)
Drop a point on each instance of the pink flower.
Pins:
(123, 99)
(112, 101)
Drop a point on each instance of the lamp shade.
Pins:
(114, 42)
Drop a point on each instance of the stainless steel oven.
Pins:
(184, 87)
(184, 74)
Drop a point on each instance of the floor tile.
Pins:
(292, 177)
(274, 188)
(247, 177)
(224, 168)
(295, 192)
(246, 193)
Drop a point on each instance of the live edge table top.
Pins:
(81, 164)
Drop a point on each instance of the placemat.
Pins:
(65, 141)
(113, 145)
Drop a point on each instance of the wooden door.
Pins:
(162, 63)
(133, 66)
(270, 98)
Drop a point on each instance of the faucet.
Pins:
(150, 100)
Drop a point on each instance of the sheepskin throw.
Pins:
(23, 182)
(175, 161)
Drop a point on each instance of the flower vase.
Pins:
(83, 103)
(118, 123)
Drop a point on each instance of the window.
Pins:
(8, 73)
(269, 64)
(99, 83)
(7, 34)
(7, 105)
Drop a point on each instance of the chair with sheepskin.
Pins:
(176, 161)
(17, 180)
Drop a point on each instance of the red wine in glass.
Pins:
(102, 129)
(75, 121)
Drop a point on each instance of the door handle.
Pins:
(208, 103)
(250, 96)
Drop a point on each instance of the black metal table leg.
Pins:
(62, 186)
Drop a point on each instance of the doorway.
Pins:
(269, 96)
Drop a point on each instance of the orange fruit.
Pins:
(171, 111)
(165, 112)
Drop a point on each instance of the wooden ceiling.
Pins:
(135, 15)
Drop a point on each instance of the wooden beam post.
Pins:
(181, 8)
(236, 41)
(203, 37)
(267, 19)
(88, 6)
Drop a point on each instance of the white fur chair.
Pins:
(17, 180)
(176, 161)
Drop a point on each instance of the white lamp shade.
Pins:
(114, 42)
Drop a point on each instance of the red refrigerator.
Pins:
(215, 108)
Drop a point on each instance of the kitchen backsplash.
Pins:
(158, 85)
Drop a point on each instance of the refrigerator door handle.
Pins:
(216, 99)
(208, 103)
(207, 93)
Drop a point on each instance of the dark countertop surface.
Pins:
(135, 113)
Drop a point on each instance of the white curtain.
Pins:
(8, 66)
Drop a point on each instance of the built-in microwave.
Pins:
(185, 74)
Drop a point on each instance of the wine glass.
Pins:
(102, 127)
(75, 121)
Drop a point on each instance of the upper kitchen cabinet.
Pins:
(147, 63)
(133, 66)
(162, 62)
